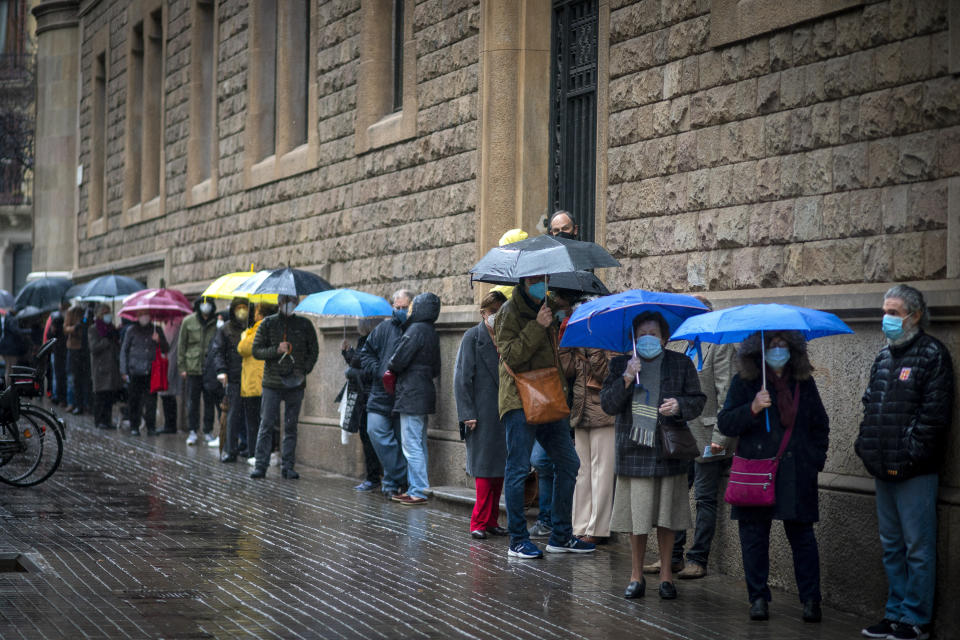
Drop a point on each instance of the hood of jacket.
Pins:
(425, 308)
(196, 310)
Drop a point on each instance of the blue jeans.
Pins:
(556, 441)
(269, 413)
(413, 431)
(384, 432)
(706, 483)
(546, 475)
(907, 517)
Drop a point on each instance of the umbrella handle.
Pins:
(633, 337)
(763, 367)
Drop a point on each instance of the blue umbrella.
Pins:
(735, 324)
(345, 302)
(607, 322)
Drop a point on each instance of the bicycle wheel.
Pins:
(21, 444)
(50, 415)
(51, 453)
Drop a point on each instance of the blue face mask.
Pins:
(560, 315)
(538, 290)
(400, 315)
(777, 356)
(649, 347)
(893, 327)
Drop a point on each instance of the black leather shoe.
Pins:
(498, 531)
(635, 589)
(759, 610)
(151, 432)
(478, 534)
(290, 474)
(228, 457)
(812, 612)
(258, 473)
(668, 591)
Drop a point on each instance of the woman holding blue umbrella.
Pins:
(798, 434)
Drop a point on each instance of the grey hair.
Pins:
(405, 293)
(562, 212)
(913, 299)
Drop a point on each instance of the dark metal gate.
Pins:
(573, 111)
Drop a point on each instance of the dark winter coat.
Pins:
(678, 379)
(226, 359)
(416, 360)
(906, 410)
(476, 382)
(139, 350)
(105, 359)
(301, 335)
(13, 341)
(375, 354)
(797, 493)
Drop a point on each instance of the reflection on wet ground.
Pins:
(147, 538)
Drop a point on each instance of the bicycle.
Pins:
(31, 437)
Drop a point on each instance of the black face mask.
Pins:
(565, 235)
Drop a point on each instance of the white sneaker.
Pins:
(192, 438)
(215, 442)
(252, 461)
(275, 459)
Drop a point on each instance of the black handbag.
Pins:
(677, 442)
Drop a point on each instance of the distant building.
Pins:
(17, 109)
(806, 152)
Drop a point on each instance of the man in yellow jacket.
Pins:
(251, 382)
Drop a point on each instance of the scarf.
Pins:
(785, 399)
(645, 406)
(103, 329)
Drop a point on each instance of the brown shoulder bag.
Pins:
(541, 391)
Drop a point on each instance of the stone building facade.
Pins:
(806, 153)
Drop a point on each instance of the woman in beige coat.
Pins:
(594, 440)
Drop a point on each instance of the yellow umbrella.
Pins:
(223, 288)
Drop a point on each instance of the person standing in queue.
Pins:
(196, 333)
(139, 348)
(288, 345)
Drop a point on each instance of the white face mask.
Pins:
(144, 321)
(220, 322)
(206, 308)
(108, 318)
(491, 319)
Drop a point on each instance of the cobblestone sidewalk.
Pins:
(147, 538)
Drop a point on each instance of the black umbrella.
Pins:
(290, 282)
(105, 288)
(43, 293)
(543, 255)
(582, 281)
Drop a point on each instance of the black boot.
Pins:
(812, 612)
(759, 610)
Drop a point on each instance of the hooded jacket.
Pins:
(299, 332)
(139, 349)
(196, 333)
(374, 356)
(906, 410)
(226, 359)
(416, 360)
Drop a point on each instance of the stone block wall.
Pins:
(401, 215)
(814, 155)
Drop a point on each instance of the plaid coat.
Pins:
(678, 379)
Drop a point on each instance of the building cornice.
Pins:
(52, 15)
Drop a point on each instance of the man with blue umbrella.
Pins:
(906, 420)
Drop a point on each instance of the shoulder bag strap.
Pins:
(553, 345)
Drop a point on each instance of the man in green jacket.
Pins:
(288, 345)
(526, 334)
(196, 332)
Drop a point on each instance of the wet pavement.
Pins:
(148, 538)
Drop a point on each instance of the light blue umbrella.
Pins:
(607, 322)
(735, 324)
(345, 302)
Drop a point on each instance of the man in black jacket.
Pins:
(228, 364)
(906, 418)
(288, 344)
(383, 424)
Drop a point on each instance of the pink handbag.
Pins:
(753, 481)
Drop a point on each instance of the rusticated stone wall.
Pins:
(402, 215)
(817, 154)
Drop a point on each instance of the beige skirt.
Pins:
(642, 504)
